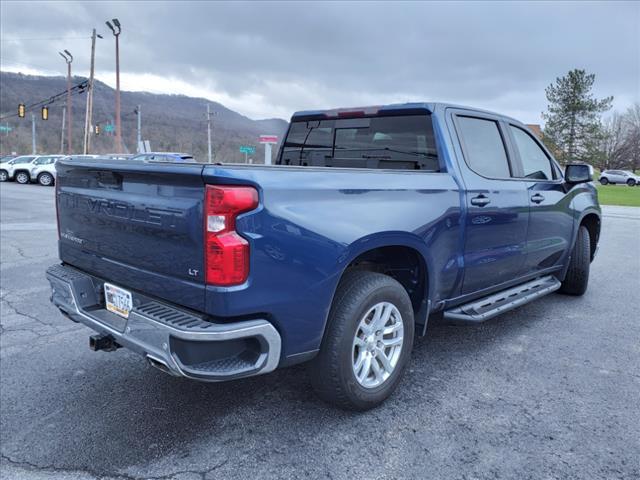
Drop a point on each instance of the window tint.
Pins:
(399, 142)
(484, 149)
(535, 162)
(45, 160)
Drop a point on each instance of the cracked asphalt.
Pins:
(549, 391)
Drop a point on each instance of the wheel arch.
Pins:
(591, 220)
(400, 255)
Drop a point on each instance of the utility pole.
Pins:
(33, 134)
(139, 113)
(64, 111)
(89, 112)
(209, 132)
(116, 33)
(68, 58)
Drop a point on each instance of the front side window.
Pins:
(45, 160)
(535, 162)
(484, 149)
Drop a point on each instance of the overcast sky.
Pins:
(270, 59)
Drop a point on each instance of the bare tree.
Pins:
(632, 137)
(613, 142)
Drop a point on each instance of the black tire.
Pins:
(4, 176)
(22, 177)
(577, 278)
(331, 371)
(604, 180)
(45, 179)
(631, 182)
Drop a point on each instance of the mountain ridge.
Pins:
(171, 122)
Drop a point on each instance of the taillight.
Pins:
(226, 253)
(55, 201)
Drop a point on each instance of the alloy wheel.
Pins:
(45, 179)
(377, 345)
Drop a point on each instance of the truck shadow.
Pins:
(128, 414)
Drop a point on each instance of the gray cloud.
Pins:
(305, 55)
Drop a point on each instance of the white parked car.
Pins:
(619, 176)
(43, 170)
(17, 169)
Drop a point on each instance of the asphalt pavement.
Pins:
(549, 391)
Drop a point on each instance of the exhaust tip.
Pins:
(160, 365)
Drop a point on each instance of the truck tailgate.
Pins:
(136, 224)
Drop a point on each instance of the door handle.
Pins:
(480, 201)
(537, 198)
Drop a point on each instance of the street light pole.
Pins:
(139, 149)
(64, 111)
(115, 29)
(68, 58)
(209, 133)
(89, 112)
(33, 134)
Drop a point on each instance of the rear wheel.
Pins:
(367, 342)
(22, 177)
(631, 182)
(577, 278)
(604, 180)
(4, 176)
(45, 179)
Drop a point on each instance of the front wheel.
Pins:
(577, 278)
(367, 343)
(45, 179)
(604, 181)
(4, 176)
(22, 177)
(631, 182)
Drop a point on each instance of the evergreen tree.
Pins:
(573, 129)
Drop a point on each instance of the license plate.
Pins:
(118, 300)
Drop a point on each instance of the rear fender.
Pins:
(387, 239)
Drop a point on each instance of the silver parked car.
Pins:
(619, 176)
(43, 169)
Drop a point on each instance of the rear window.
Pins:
(393, 142)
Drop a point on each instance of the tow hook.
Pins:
(103, 342)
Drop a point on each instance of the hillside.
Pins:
(169, 122)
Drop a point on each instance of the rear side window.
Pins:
(484, 150)
(387, 142)
(535, 162)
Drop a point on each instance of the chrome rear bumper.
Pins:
(174, 340)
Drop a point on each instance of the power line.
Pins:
(18, 39)
(75, 90)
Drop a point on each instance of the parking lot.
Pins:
(549, 391)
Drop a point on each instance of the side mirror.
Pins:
(578, 173)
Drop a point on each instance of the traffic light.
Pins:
(21, 110)
(97, 129)
(45, 113)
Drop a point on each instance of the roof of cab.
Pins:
(400, 108)
(167, 153)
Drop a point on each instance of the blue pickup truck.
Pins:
(372, 221)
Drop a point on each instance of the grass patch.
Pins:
(622, 195)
